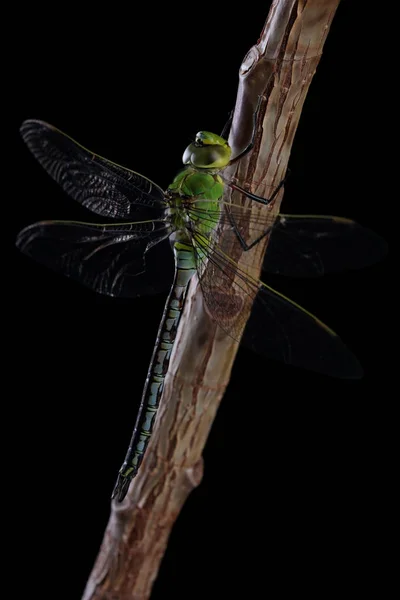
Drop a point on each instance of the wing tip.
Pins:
(355, 372)
(29, 125)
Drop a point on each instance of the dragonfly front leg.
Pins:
(253, 135)
(227, 127)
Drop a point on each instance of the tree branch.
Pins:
(275, 75)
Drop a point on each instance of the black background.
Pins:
(291, 496)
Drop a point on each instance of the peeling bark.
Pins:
(275, 75)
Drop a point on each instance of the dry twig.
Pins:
(278, 70)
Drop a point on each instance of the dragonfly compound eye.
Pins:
(209, 151)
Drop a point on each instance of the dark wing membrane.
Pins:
(299, 245)
(277, 328)
(123, 260)
(280, 328)
(100, 185)
(309, 246)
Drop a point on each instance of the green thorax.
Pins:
(200, 191)
(194, 183)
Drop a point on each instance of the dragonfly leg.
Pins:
(227, 127)
(259, 199)
(256, 198)
(253, 135)
(239, 236)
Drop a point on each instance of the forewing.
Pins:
(124, 260)
(100, 185)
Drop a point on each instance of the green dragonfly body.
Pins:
(191, 191)
(191, 216)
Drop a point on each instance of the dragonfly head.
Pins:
(208, 151)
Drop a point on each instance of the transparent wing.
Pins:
(124, 260)
(309, 246)
(278, 328)
(100, 185)
(299, 245)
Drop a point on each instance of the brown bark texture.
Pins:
(275, 76)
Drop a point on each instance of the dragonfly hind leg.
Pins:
(265, 201)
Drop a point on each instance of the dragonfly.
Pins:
(130, 256)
